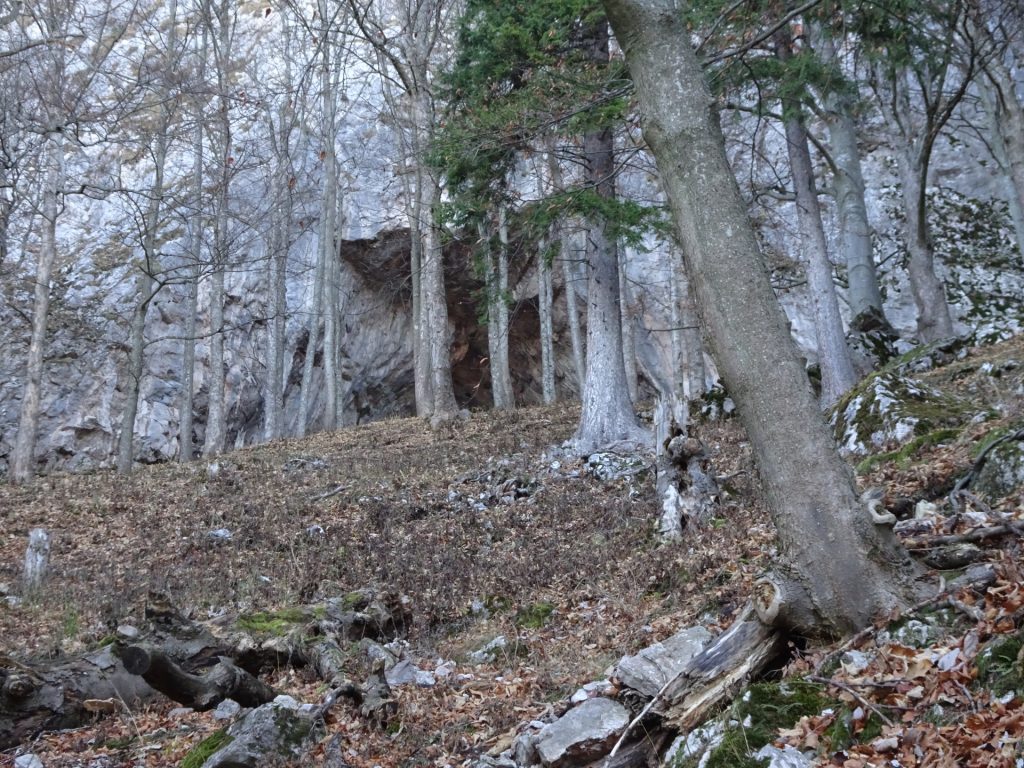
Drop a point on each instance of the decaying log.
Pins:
(719, 671)
(37, 697)
(201, 692)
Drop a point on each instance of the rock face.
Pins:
(92, 296)
(583, 734)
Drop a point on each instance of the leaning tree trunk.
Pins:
(607, 414)
(23, 456)
(837, 375)
(838, 571)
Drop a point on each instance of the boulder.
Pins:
(582, 734)
(268, 735)
(1003, 470)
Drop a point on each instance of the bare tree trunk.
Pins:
(306, 388)
(435, 302)
(186, 448)
(545, 298)
(1006, 126)
(628, 330)
(865, 298)
(694, 375)
(837, 374)
(277, 245)
(607, 415)
(23, 455)
(497, 319)
(933, 318)
(913, 155)
(571, 310)
(841, 570)
(328, 225)
(147, 288)
(216, 430)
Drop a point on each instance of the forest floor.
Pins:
(491, 530)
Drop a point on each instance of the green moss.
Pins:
(534, 616)
(273, 622)
(1001, 665)
(840, 734)
(902, 456)
(201, 752)
(765, 707)
(353, 601)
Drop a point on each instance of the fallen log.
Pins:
(37, 697)
(200, 692)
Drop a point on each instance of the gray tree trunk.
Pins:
(568, 280)
(186, 448)
(628, 330)
(837, 374)
(436, 307)
(497, 319)
(607, 414)
(545, 299)
(23, 455)
(146, 287)
(913, 151)
(313, 340)
(838, 570)
(216, 429)
(328, 223)
(1006, 126)
(854, 229)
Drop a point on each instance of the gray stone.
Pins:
(787, 757)
(28, 761)
(1003, 470)
(402, 673)
(227, 710)
(649, 670)
(582, 734)
(490, 651)
(524, 749)
(128, 632)
(267, 735)
(180, 712)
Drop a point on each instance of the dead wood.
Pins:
(54, 695)
(715, 674)
(978, 534)
(201, 692)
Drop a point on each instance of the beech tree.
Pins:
(838, 569)
(837, 374)
(60, 102)
(408, 37)
(915, 48)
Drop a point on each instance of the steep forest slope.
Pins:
(491, 531)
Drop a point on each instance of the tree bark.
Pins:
(849, 570)
(913, 156)
(837, 374)
(146, 287)
(497, 319)
(568, 280)
(23, 455)
(854, 229)
(545, 300)
(607, 415)
(628, 330)
(186, 448)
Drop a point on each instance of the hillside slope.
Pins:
(489, 529)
